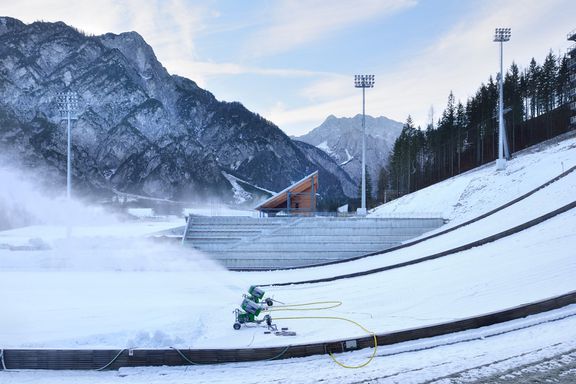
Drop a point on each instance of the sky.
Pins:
(294, 61)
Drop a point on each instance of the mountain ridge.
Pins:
(140, 129)
(341, 139)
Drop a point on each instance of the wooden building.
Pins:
(297, 199)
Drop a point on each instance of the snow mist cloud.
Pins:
(25, 202)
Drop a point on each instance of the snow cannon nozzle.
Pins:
(256, 294)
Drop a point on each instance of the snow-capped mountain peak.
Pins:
(341, 138)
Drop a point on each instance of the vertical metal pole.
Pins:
(363, 150)
(312, 207)
(501, 162)
(69, 160)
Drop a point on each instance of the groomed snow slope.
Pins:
(106, 292)
(463, 198)
(480, 190)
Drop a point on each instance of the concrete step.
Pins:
(271, 254)
(230, 227)
(241, 220)
(215, 237)
(311, 226)
(371, 222)
(221, 234)
(315, 238)
(350, 231)
(309, 247)
(213, 240)
(286, 261)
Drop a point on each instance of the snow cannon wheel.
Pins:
(269, 302)
(237, 326)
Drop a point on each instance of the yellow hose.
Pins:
(298, 307)
(332, 304)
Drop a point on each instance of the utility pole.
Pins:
(67, 106)
(501, 35)
(363, 81)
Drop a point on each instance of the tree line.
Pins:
(466, 135)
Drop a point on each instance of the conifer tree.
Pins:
(382, 185)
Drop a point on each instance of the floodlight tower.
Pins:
(501, 35)
(363, 81)
(67, 106)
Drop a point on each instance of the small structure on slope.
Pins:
(298, 199)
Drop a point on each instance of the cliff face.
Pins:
(341, 139)
(139, 129)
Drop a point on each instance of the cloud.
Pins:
(330, 86)
(466, 55)
(297, 22)
(302, 119)
(169, 26)
(80, 14)
(202, 71)
(459, 61)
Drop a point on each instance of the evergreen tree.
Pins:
(533, 78)
(447, 132)
(547, 83)
(369, 197)
(513, 100)
(563, 81)
(369, 194)
(408, 147)
(523, 89)
(461, 123)
(382, 186)
(467, 135)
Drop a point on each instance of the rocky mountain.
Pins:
(341, 138)
(329, 167)
(139, 129)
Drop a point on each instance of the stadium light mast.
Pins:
(363, 81)
(67, 106)
(501, 35)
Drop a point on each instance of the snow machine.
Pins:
(256, 295)
(251, 307)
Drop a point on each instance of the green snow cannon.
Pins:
(256, 294)
(251, 307)
(251, 311)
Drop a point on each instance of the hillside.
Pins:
(477, 191)
(140, 129)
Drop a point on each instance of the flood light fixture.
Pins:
(500, 36)
(363, 81)
(68, 106)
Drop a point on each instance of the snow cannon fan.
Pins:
(256, 294)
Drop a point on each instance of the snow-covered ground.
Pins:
(466, 357)
(325, 147)
(107, 287)
(472, 193)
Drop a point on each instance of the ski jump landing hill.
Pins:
(507, 253)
